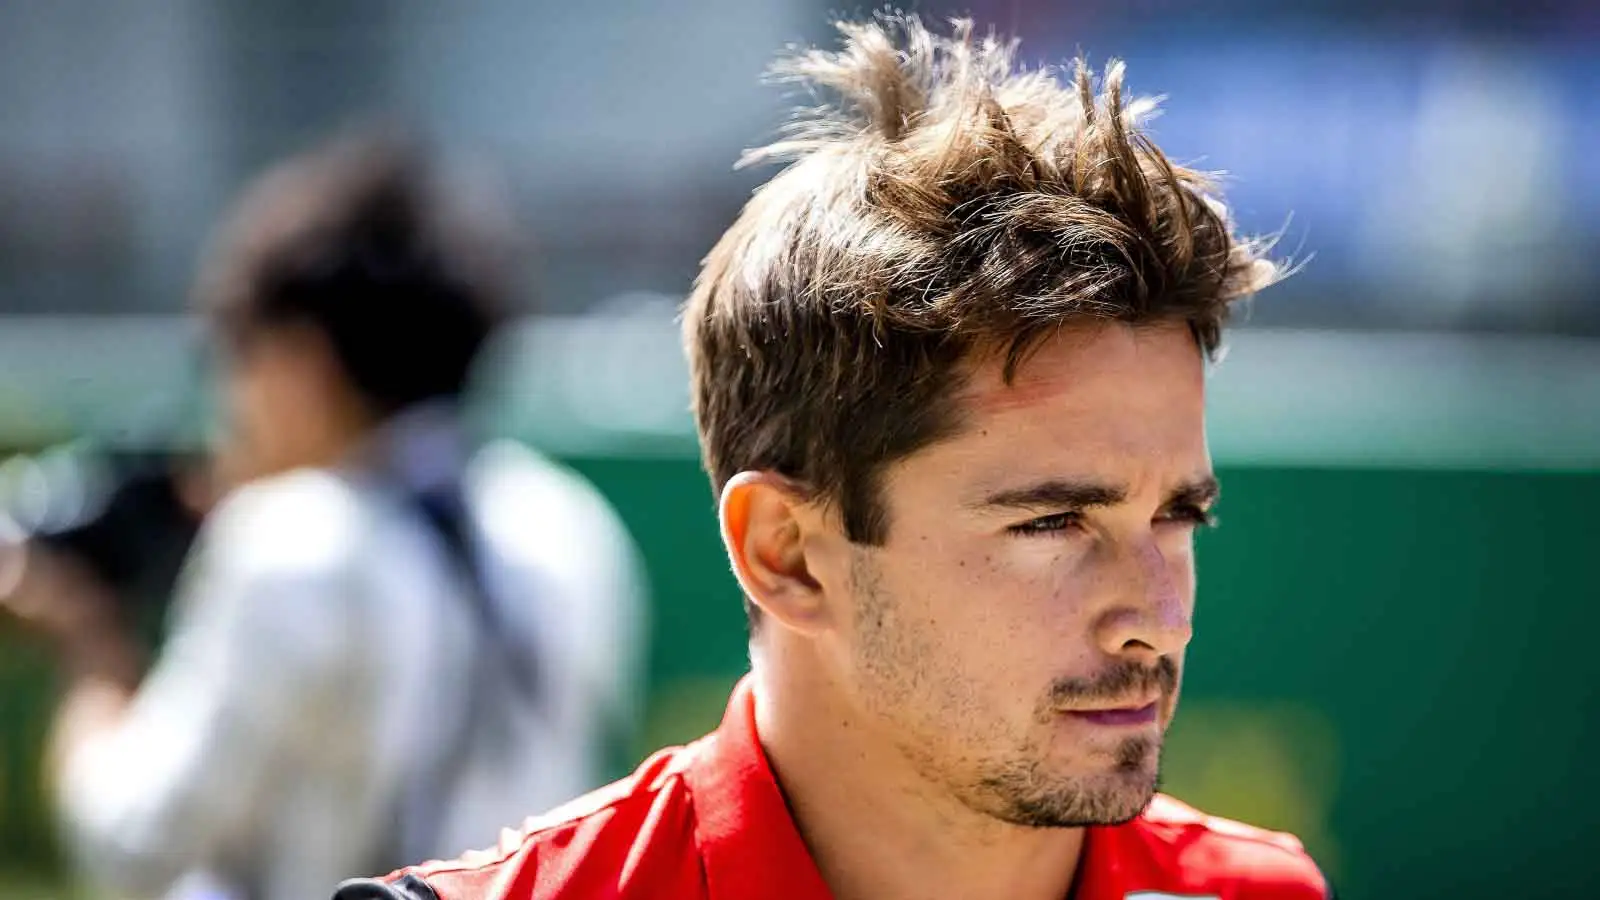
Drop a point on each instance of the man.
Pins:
(390, 641)
(948, 373)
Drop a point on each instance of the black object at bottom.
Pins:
(409, 887)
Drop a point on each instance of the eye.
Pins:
(1188, 514)
(1055, 523)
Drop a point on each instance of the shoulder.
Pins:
(304, 521)
(549, 522)
(1212, 853)
(508, 479)
(633, 838)
(274, 562)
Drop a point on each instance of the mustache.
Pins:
(1125, 679)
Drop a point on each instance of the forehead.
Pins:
(1105, 399)
(1081, 366)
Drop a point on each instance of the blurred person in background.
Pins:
(948, 372)
(391, 639)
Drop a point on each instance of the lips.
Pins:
(1143, 714)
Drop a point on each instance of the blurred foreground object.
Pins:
(390, 639)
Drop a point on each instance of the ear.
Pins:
(768, 525)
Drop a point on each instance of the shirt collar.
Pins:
(1100, 874)
(746, 836)
(420, 448)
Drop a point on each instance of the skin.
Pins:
(945, 693)
(287, 406)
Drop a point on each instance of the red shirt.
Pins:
(707, 822)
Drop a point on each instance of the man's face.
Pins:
(1021, 632)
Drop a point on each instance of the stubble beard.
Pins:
(901, 685)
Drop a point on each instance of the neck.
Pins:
(874, 825)
(341, 432)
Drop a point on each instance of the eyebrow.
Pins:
(1057, 493)
(1201, 492)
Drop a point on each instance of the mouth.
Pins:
(1139, 713)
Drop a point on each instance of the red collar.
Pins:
(742, 824)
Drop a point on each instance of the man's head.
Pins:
(349, 284)
(948, 371)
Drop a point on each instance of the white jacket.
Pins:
(318, 660)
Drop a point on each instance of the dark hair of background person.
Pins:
(365, 240)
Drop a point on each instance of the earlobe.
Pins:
(763, 530)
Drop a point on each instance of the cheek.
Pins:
(1009, 613)
(244, 401)
(264, 411)
(1178, 554)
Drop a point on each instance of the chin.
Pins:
(1119, 798)
(1082, 806)
(1073, 800)
(1135, 793)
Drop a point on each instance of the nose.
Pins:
(1150, 613)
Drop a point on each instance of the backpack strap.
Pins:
(424, 795)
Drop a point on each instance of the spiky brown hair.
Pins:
(941, 202)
